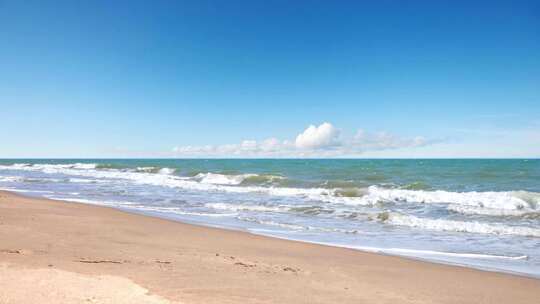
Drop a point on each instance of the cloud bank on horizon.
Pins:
(324, 140)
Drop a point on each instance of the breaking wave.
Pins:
(509, 200)
(482, 203)
(341, 203)
(296, 227)
(222, 179)
(460, 226)
(158, 170)
(472, 210)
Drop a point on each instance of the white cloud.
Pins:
(364, 141)
(271, 144)
(315, 141)
(313, 137)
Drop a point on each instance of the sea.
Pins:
(480, 213)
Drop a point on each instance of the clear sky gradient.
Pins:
(247, 78)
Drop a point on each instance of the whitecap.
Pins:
(222, 179)
(512, 200)
(471, 210)
(509, 200)
(460, 226)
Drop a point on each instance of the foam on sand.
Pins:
(416, 252)
(139, 207)
(245, 207)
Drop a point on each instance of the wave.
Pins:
(458, 226)
(92, 202)
(58, 168)
(109, 166)
(420, 252)
(238, 207)
(307, 209)
(471, 210)
(179, 211)
(351, 192)
(52, 168)
(85, 180)
(137, 206)
(11, 179)
(238, 179)
(311, 210)
(264, 179)
(15, 166)
(166, 171)
(483, 202)
(42, 180)
(25, 190)
(295, 227)
(417, 186)
(222, 179)
(512, 200)
(158, 170)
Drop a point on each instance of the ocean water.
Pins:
(477, 213)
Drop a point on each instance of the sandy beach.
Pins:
(59, 252)
(270, 152)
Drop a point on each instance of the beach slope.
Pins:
(58, 252)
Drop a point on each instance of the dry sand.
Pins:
(58, 252)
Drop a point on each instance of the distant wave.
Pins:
(482, 203)
(156, 170)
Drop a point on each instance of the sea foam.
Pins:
(513, 200)
(222, 179)
(483, 202)
(460, 226)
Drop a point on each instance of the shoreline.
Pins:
(372, 250)
(364, 249)
(220, 265)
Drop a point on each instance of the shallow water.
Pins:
(479, 213)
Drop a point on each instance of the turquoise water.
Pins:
(478, 213)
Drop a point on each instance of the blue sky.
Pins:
(249, 78)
